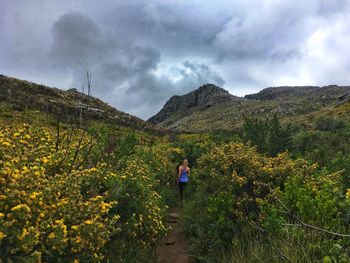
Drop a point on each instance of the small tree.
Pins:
(267, 135)
(255, 130)
(279, 138)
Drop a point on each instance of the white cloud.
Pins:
(137, 50)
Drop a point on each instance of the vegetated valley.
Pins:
(83, 182)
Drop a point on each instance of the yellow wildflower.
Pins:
(6, 144)
(347, 195)
(33, 195)
(88, 222)
(78, 239)
(2, 235)
(21, 206)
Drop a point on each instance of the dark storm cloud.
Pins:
(150, 89)
(123, 71)
(142, 52)
(75, 40)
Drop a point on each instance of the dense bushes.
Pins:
(237, 193)
(99, 195)
(341, 162)
(269, 136)
(193, 146)
(329, 124)
(66, 196)
(321, 146)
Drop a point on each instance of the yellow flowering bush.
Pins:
(140, 206)
(193, 146)
(161, 159)
(236, 190)
(57, 202)
(243, 173)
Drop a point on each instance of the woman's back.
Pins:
(182, 179)
(184, 174)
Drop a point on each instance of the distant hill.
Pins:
(202, 98)
(68, 106)
(210, 107)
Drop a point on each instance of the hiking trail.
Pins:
(173, 248)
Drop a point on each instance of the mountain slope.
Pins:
(300, 104)
(69, 106)
(204, 97)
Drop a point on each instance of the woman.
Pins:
(182, 178)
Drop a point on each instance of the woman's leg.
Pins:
(182, 186)
(181, 190)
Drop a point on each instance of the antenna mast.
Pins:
(89, 83)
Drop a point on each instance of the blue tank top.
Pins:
(183, 176)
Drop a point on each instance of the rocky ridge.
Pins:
(204, 97)
(330, 92)
(211, 107)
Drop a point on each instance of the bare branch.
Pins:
(76, 152)
(303, 224)
(57, 134)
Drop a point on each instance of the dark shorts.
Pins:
(182, 185)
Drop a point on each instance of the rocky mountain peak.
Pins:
(205, 96)
(210, 88)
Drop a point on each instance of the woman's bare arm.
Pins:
(179, 174)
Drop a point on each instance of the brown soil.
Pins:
(174, 247)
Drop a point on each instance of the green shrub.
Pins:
(237, 194)
(326, 123)
(267, 135)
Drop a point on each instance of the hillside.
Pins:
(202, 98)
(19, 96)
(210, 109)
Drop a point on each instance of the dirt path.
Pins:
(174, 247)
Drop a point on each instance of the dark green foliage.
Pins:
(341, 163)
(194, 146)
(224, 136)
(256, 131)
(322, 146)
(329, 124)
(279, 138)
(110, 146)
(268, 135)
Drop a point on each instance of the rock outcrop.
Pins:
(204, 97)
(344, 98)
(329, 92)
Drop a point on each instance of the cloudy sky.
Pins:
(142, 52)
